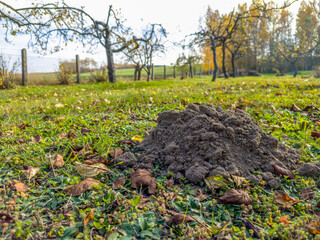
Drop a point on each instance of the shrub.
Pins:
(7, 72)
(316, 72)
(99, 76)
(64, 74)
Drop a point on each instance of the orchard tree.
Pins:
(152, 43)
(49, 22)
(219, 29)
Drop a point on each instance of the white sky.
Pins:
(179, 17)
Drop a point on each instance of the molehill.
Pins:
(203, 141)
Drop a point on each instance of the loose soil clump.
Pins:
(203, 141)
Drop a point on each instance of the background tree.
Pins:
(47, 21)
(153, 37)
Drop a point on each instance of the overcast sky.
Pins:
(179, 17)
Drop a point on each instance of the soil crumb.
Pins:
(203, 141)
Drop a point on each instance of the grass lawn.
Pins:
(81, 120)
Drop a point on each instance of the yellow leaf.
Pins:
(137, 139)
(88, 217)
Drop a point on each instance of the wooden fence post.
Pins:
(24, 67)
(174, 71)
(78, 68)
(152, 72)
(164, 72)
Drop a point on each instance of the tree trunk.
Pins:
(139, 73)
(190, 70)
(135, 73)
(233, 65)
(148, 73)
(295, 72)
(215, 61)
(111, 68)
(224, 68)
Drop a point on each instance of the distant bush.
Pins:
(316, 72)
(7, 73)
(278, 72)
(99, 76)
(64, 74)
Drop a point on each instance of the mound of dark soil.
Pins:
(204, 141)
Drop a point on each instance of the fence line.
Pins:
(33, 68)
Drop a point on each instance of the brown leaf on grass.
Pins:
(119, 183)
(61, 118)
(127, 142)
(178, 218)
(116, 152)
(81, 187)
(314, 227)
(315, 134)
(139, 178)
(152, 186)
(20, 187)
(97, 160)
(144, 202)
(63, 136)
(202, 197)
(295, 108)
(47, 118)
(233, 196)
(88, 217)
(85, 130)
(281, 171)
(20, 141)
(5, 218)
(307, 194)
(31, 171)
(310, 108)
(86, 170)
(105, 118)
(23, 126)
(56, 161)
(284, 199)
(36, 139)
(71, 134)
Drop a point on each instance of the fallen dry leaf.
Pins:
(47, 117)
(284, 199)
(152, 186)
(256, 229)
(128, 142)
(295, 108)
(237, 180)
(86, 170)
(5, 218)
(97, 160)
(139, 178)
(23, 126)
(215, 182)
(88, 217)
(307, 194)
(281, 171)
(178, 218)
(62, 136)
(233, 196)
(36, 139)
(56, 161)
(31, 171)
(314, 227)
(81, 187)
(85, 130)
(59, 105)
(119, 183)
(202, 197)
(315, 134)
(116, 152)
(20, 187)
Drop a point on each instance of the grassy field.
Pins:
(79, 120)
(122, 75)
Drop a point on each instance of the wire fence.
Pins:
(42, 70)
